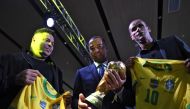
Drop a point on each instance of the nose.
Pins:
(138, 29)
(96, 50)
(50, 44)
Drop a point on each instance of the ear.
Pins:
(33, 38)
(132, 37)
(149, 30)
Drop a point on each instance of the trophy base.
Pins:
(95, 99)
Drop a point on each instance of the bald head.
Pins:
(137, 22)
(140, 32)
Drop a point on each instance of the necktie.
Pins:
(101, 70)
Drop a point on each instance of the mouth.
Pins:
(140, 37)
(47, 50)
(140, 34)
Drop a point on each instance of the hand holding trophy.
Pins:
(96, 98)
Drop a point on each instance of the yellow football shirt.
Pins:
(161, 84)
(39, 95)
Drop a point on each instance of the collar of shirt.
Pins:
(154, 52)
(97, 64)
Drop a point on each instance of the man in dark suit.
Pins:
(88, 78)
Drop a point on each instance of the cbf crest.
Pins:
(169, 85)
(42, 104)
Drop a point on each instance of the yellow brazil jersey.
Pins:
(39, 95)
(161, 84)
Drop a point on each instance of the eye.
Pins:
(137, 26)
(91, 48)
(140, 25)
(134, 28)
(47, 40)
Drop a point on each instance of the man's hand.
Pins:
(27, 77)
(187, 64)
(81, 102)
(67, 96)
(113, 79)
(129, 63)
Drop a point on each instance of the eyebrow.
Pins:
(137, 25)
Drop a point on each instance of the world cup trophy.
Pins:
(96, 98)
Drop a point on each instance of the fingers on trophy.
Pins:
(96, 98)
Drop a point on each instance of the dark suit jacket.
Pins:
(173, 48)
(86, 81)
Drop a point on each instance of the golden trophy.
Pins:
(96, 98)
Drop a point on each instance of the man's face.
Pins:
(139, 32)
(97, 50)
(42, 44)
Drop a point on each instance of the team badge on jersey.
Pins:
(42, 104)
(154, 83)
(169, 85)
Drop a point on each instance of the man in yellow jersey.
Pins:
(168, 48)
(20, 69)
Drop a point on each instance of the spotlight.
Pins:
(50, 22)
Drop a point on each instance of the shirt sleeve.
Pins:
(77, 90)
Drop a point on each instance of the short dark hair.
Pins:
(97, 36)
(94, 37)
(46, 30)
